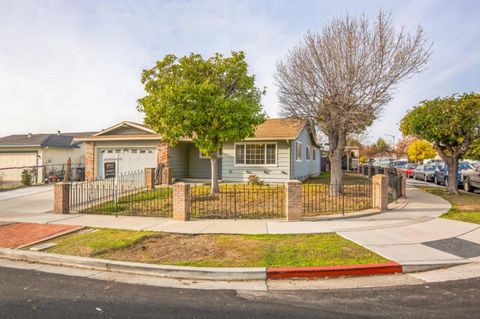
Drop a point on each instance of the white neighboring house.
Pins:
(42, 151)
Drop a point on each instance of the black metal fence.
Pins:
(124, 195)
(394, 185)
(50, 173)
(238, 201)
(326, 199)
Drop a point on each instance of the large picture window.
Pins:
(256, 154)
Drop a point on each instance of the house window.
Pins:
(298, 151)
(307, 153)
(256, 154)
(314, 154)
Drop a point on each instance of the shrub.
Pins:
(27, 176)
(255, 180)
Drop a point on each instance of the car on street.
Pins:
(409, 170)
(471, 179)
(441, 173)
(424, 173)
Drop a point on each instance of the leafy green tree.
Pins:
(451, 124)
(420, 150)
(381, 146)
(473, 151)
(211, 101)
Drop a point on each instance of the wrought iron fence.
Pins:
(394, 185)
(325, 199)
(125, 195)
(49, 173)
(238, 201)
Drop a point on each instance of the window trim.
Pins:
(301, 151)
(245, 155)
(314, 153)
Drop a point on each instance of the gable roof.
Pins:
(138, 126)
(279, 128)
(271, 129)
(42, 140)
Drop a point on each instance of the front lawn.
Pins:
(215, 250)
(465, 206)
(244, 201)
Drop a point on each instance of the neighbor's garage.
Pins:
(11, 164)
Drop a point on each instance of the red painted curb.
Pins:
(334, 271)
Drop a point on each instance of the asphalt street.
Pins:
(32, 294)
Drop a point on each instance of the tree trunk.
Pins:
(214, 168)
(337, 143)
(452, 165)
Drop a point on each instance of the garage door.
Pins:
(130, 160)
(11, 163)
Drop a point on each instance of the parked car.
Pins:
(424, 173)
(441, 173)
(400, 164)
(409, 170)
(471, 179)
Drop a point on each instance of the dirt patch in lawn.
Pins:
(190, 249)
(216, 250)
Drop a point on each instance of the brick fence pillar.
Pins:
(404, 184)
(380, 192)
(61, 197)
(150, 178)
(293, 200)
(181, 202)
(89, 161)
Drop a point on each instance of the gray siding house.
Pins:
(281, 149)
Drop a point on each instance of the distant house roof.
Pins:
(271, 129)
(42, 140)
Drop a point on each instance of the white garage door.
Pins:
(130, 160)
(10, 163)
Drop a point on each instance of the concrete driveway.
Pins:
(25, 202)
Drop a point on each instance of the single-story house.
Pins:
(42, 151)
(281, 149)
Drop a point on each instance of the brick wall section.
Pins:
(293, 200)
(166, 175)
(61, 198)
(150, 178)
(181, 202)
(89, 161)
(380, 192)
(163, 159)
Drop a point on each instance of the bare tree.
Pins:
(341, 78)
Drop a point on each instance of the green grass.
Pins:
(216, 250)
(95, 242)
(465, 206)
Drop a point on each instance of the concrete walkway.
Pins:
(411, 233)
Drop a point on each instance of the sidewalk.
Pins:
(410, 234)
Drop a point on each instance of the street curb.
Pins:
(165, 271)
(334, 271)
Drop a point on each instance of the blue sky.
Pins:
(75, 65)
